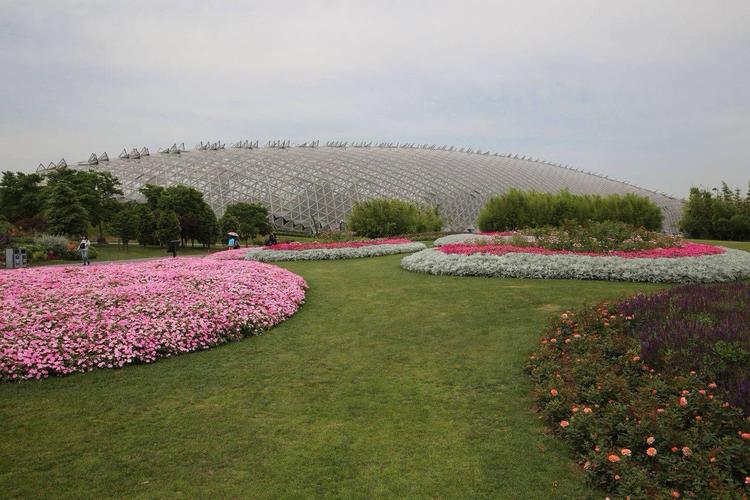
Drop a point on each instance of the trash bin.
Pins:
(16, 257)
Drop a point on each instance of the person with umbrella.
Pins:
(234, 240)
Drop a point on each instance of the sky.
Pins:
(653, 92)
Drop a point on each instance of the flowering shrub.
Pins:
(65, 319)
(648, 428)
(731, 265)
(704, 328)
(597, 237)
(298, 251)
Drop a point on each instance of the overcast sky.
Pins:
(654, 92)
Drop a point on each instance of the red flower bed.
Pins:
(685, 250)
(295, 245)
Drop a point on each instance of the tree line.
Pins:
(69, 202)
(719, 213)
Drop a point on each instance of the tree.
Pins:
(125, 222)
(152, 194)
(252, 217)
(190, 208)
(229, 224)
(65, 213)
(102, 189)
(382, 217)
(208, 227)
(168, 227)
(146, 233)
(21, 196)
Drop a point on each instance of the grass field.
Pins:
(386, 383)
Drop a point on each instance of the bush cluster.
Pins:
(646, 393)
(594, 237)
(53, 247)
(381, 217)
(517, 209)
(717, 214)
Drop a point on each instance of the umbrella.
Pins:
(232, 233)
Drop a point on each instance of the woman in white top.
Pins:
(83, 248)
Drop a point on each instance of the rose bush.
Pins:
(644, 421)
(331, 251)
(65, 319)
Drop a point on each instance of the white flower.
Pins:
(730, 266)
(268, 255)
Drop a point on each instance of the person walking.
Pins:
(83, 248)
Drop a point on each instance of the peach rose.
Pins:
(564, 423)
(613, 458)
(651, 452)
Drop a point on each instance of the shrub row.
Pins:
(381, 217)
(650, 393)
(519, 209)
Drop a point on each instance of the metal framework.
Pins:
(309, 187)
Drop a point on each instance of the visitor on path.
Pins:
(236, 243)
(271, 239)
(230, 243)
(83, 248)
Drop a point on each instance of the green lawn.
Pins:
(386, 383)
(740, 245)
(134, 251)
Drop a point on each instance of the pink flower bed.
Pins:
(238, 254)
(686, 250)
(295, 245)
(66, 319)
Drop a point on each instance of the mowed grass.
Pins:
(385, 384)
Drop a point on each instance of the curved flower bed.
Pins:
(474, 238)
(234, 254)
(532, 262)
(332, 251)
(65, 319)
(685, 250)
(652, 394)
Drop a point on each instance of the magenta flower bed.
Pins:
(685, 250)
(67, 319)
(295, 245)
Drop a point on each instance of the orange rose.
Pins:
(564, 423)
(613, 458)
(683, 401)
(553, 392)
(745, 435)
(651, 452)
(625, 452)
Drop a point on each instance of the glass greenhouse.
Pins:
(309, 187)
